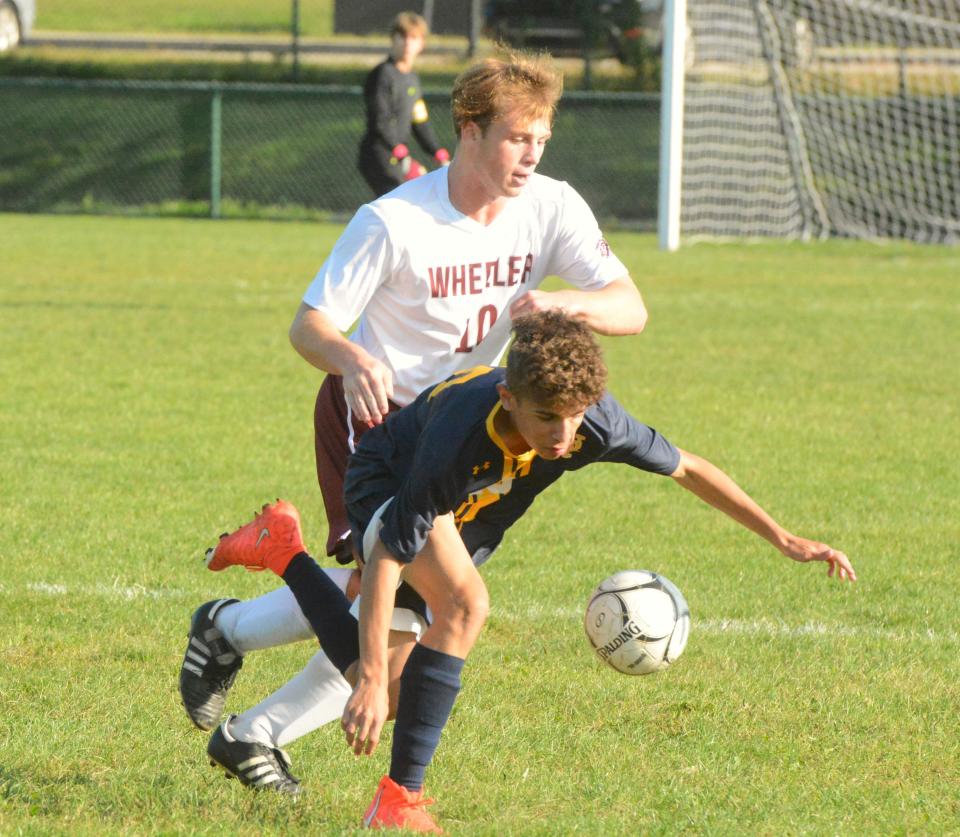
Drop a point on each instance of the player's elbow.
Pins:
(295, 333)
(686, 466)
(625, 310)
(300, 329)
(623, 323)
(639, 320)
(635, 311)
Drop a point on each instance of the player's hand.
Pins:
(353, 583)
(442, 157)
(368, 388)
(803, 550)
(365, 714)
(399, 152)
(533, 302)
(414, 170)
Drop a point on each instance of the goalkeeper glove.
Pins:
(415, 169)
(442, 157)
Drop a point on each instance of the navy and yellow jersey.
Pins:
(443, 454)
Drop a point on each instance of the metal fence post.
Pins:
(473, 28)
(216, 107)
(295, 38)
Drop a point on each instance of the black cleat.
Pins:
(210, 666)
(255, 765)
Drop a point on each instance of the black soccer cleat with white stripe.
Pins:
(255, 765)
(210, 666)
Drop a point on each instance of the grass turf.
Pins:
(151, 401)
(256, 17)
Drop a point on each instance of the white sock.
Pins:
(316, 696)
(272, 619)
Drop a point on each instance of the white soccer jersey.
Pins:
(432, 287)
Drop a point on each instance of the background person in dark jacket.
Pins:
(395, 109)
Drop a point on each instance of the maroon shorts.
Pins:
(336, 433)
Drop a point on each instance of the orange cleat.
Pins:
(394, 806)
(269, 542)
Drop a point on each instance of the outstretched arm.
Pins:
(713, 486)
(615, 309)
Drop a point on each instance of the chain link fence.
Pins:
(245, 150)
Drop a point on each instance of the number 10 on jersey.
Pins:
(486, 317)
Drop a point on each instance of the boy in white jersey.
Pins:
(433, 272)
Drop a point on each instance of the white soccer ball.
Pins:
(637, 621)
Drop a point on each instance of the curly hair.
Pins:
(495, 87)
(556, 361)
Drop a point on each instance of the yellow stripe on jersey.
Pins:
(470, 507)
(459, 378)
(512, 463)
(514, 467)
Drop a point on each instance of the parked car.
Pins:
(16, 22)
(613, 27)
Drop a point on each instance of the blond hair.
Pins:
(407, 23)
(520, 82)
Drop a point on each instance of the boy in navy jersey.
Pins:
(430, 494)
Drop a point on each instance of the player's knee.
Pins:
(468, 609)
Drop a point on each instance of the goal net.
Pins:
(815, 118)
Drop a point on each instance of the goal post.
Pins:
(805, 119)
(671, 124)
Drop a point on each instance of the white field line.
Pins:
(740, 627)
(115, 590)
(764, 627)
(769, 627)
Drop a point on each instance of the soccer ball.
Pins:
(637, 621)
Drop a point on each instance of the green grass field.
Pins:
(150, 400)
(252, 17)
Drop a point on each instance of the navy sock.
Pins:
(326, 608)
(428, 688)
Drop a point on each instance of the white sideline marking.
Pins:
(769, 627)
(741, 627)
(762, 627)
(107, 591)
